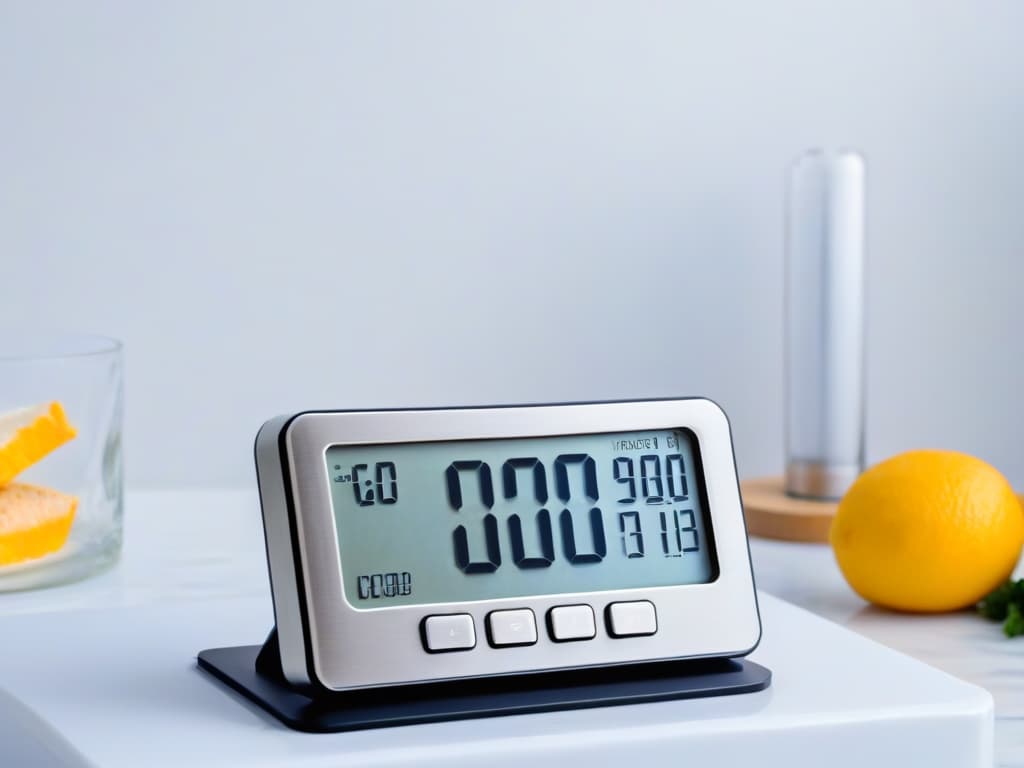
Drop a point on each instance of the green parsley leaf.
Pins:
(1014, 624)
(1006, 604)
(996, 605)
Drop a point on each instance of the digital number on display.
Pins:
(528, 513)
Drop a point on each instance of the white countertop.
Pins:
(224, 564)
(962, 644)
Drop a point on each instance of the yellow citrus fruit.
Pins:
(29, 434)
(928, 531)
(33, 521)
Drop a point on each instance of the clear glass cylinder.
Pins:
(825, 324)
(80, 479)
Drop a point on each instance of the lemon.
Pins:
(29, 434)
(33, 521)
(928, 531)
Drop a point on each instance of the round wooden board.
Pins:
(772, 514)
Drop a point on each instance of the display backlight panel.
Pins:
(456, 521)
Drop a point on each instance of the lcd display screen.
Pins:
(483, 519)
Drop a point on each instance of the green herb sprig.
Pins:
(1006, 604)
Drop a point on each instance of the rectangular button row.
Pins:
(456, 631)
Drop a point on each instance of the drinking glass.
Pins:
(84, 374)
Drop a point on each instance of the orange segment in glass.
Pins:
(33, 521)
(29, 434)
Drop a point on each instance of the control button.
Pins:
(571, 622)
(631, 619)
(449, 632)
(516, 627)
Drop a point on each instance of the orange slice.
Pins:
(33, 521)
(29, 434)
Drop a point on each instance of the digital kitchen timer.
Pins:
(416, 546)
(436, 564)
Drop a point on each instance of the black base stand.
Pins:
(255, 672)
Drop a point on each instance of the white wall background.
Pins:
(335, 204)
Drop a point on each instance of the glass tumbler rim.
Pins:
(16, 346)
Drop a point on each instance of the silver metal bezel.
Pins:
(343, 647)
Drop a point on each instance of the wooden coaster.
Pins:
(773, 514)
